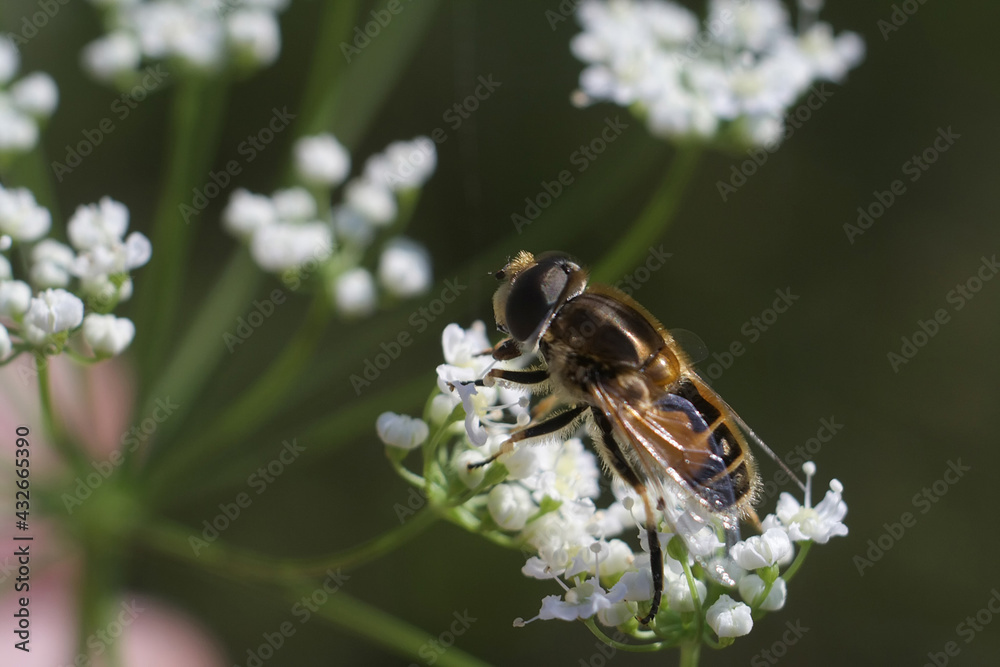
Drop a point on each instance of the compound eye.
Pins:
(533, 296)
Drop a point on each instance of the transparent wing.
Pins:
(672, 451)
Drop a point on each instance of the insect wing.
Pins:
(672, 451)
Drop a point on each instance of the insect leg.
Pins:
(612, 454)
(547, 427)
(526, 378)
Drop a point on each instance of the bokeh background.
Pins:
(825, 358)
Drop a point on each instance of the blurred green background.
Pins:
(825, 358)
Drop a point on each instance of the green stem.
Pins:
(653, 220)
(57, 435)
(325, 83)
(797, 563)
(690, 654)
(197, 108)
(228, 560)
(254, 406)
(199, 352)
(633, 648)
(385, 630)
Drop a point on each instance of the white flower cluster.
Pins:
(549, 504)
(24, 103)
(738, 74)
(295, 232)
(99, 258)
(202, 34)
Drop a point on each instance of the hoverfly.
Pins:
(655, 423)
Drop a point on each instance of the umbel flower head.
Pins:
(297, 235)
(65, 289)
(546, 500)
(730, 79)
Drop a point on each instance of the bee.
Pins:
(609, 364)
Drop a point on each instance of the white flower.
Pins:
(510, 506)
(5, 345)
(51, 264)
(752, 586)
(679, 594)
(762, 550)
(352, 227)
(473, 409)
(582, 601)
(404, 268)
(36, 94)
(107, 57)
(322, 159)
(354, 293)
(471, 477)
(747, 64)
(404, 164)
(373, 200)
(247, 212)
(818, 524)
(18, 132)
(96, 231)
(15, 298)
(166, 29)
(294, 204)
(10, 59)
(729, 618)
(55, 310)
(101, 224)
(284, 246)
(401, 431)
(21, 217)
(255, 35)
(107, 334)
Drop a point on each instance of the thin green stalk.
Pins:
(226, 559)
(325, 82)
(797, 563)
(199, 350)
(197, 111)
(385, 630)
(633, 648)
(690, 654)
(53, 427)
(653, 220)
(256, 405)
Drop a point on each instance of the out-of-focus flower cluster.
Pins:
(65, 288)
(24, 103)
(206, 35)
(296, 233)
(545, 499)
(731, 79)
